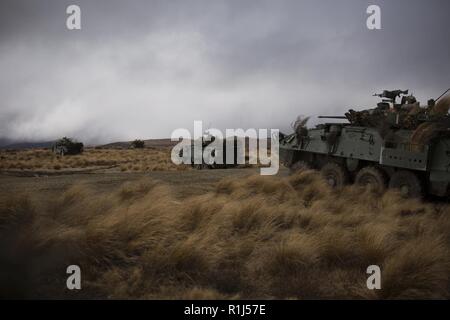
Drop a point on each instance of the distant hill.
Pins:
(27, 145)
(155, 143)
(4, 142)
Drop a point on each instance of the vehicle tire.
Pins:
(408, 183)
(336, 175)
(373, 177)
(299, 166)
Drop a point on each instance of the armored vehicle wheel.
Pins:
(335, 175)
(299, 166)
(373, 177)
(408, 183)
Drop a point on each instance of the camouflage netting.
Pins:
(299, 126)
(425, 132)
(441, 107)
(405, 116)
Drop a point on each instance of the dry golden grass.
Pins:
(442, 106)
(139, 160)
(258, 237)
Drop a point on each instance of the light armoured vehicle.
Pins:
(397, 145)
(67, 146)
(206, 140)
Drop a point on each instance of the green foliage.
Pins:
(137, 144)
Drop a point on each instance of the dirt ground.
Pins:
(184, 183)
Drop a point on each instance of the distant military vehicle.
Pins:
(67, 146)
(207, 139)
(400, 145)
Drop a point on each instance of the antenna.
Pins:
(443, 94)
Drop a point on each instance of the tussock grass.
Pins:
(258, 237)
(140, 160)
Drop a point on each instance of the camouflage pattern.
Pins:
(67, 146)
(405, 143)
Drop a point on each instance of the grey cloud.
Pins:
(144, 68)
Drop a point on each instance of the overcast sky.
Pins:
(140, 69)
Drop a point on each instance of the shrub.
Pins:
(137, 144)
